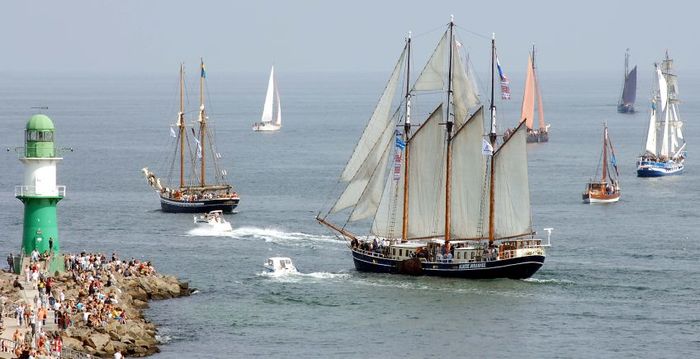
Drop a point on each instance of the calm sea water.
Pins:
(620, 280)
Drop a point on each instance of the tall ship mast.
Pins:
(446, 198)
(665, 147)
(196, 182)
(532, 97)
(629, 88)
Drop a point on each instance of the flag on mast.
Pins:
(505, 89)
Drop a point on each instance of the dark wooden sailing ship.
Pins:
(196, 194)
(605, 189)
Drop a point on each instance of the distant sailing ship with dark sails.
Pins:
(445, 199)
(669, 158)
(194, 193)
(629, 88)
(533, 97)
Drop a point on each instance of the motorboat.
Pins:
(214, 220)
(279, 265)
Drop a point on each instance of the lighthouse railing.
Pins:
(21, 191)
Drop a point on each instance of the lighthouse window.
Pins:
(40, 136)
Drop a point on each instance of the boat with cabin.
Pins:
(445, 199)
(629, 88)
(669, 157)
(213, 220)
(605, 189)
(279, 265)
(271, 119)
(205, 188)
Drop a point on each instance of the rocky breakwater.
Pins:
(103, 309)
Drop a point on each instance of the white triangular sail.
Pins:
(512, 192)
(468, 169)
(388, 221)
(434, 73)
(426, 191)
(366, 173)
(376, 125)
(269, 98)
(278, 117)
(465, 95)
(665, 140)
(663, 89)
(650, 146)
(368, 203)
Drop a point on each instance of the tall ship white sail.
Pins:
(665, 147)
(271, 119)
(443, 198)
(629, 88)
(532, 97)
(196, 182)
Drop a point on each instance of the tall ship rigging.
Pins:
(664, 148)
(533, 97)
(629, 88)
(196, 182)
(445, 199)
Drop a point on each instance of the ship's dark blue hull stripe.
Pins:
(516, 268)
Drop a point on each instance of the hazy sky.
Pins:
(142, 36)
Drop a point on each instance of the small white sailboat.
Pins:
(213, 220)
(279, 265)
(271, 119)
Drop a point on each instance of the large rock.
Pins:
(72, 343)
(98, 341)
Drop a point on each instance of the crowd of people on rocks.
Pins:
(96, 304)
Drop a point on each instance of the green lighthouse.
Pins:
(40, 194)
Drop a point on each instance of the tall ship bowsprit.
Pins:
(665, 128)
(629, 88)
(193, 191)
(444, 199)
(532, 97)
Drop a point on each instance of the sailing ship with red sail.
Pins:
(605, 189)
(533, 97)
(445, 199)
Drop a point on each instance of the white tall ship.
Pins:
(665, 148)
(449, 197)
(271, 119)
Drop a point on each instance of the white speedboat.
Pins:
(214, 220)
(279, 265)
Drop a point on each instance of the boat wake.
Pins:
(547, 281)
(297, 276)
(208, 232)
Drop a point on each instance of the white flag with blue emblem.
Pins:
(486, 148)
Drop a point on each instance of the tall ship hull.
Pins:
(658, 169)
(622, 108)
(514, 268)
(200, 206)
(537, 136)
